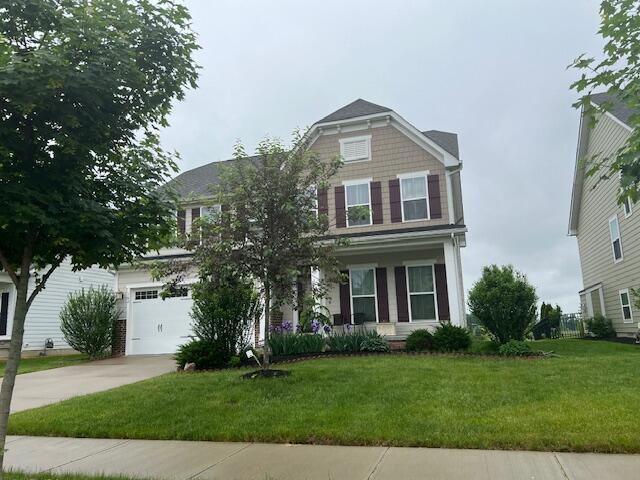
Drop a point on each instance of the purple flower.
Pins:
(298, 328)
(287, 327)
(315, 326)
(327, 329)
(276, 329)
(348, 327)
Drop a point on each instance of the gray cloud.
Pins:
(492, 71)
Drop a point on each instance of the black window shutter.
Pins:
(182, 221)
(383, 294)
(435, 202)
(441, 292)
(345, 299)
(341, 214)
(4, 312)
(401, 294)
(394, 200)
(323, 202)
(376, 202)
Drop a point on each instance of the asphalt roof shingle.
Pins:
(618, 108)
(197, 182)
(355, 109)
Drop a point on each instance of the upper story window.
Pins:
(211, 211)
(356, 149)
(358, 202)
(627, 206)
(625, 302)
(616, 242)
(414, 196)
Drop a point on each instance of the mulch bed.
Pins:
(271, 373)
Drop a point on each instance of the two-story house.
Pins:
(397, 197)
(607, 232)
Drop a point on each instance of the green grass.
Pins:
(59, 476)
(586, 399)
(28, 365)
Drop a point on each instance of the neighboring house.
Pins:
(607, 232)
(398, 198)
(43, 321)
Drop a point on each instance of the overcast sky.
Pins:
(492, 71)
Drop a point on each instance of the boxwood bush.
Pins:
(419, 341)
(205, 354)
(515, 348)
(601, 327)
(451, 338)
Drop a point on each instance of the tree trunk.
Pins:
(267, 319)
(11, 368)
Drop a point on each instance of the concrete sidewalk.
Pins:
(50, 386)
(240, 461)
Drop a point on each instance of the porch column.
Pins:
(454, 280)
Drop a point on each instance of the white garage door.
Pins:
(157, 325)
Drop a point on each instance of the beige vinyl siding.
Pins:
(392, 153)
(389, 261)
(598, 205)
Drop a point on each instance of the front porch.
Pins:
(395, 285)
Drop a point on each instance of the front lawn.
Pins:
(584, 400)
(28, 365)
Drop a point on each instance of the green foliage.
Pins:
(515, 348)
(224, 310)
(313, 313)
(270, 230)
(205, 354)
(351, 342)
(87, 320)
(600, 327)
(484, 347)
(504, 302)
(419, 340)
(283, 344)
(617, 71)
(549, 324)
(84, 88)
(451, 338)
(374, 344)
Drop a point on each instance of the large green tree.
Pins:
(270, 228)
(84, 87)
(616, 72)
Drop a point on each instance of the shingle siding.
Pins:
(392, 153)
(598, 205)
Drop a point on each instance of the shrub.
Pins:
(504, 303)
(419, 341)
(450, 338)
(87, 320)
(351, 342)
(515, 348)
(600, 327)
(204, 353)
(486, 347)
(283, 344)
(224, 311)
(374, 344)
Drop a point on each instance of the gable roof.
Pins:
(618, 108)
(447, 140)
(196, 183)
(357, 108)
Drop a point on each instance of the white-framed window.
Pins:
(421, 290)
(212, 211)
(616, 242)
(627, 206)
(414, 196)
(362, 282)
(146, 294)
(625, 303)
(356, 149)
(358, 202)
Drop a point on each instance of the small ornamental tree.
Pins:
(84, 87)
(504, 302)
(270, 228)
(618, 73)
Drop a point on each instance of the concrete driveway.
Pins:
(50, 386)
